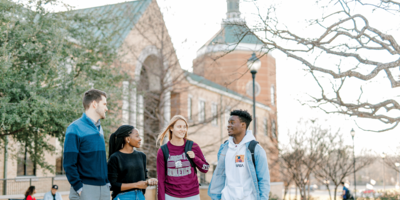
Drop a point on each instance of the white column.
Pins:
(125, 102)
(133, 104)
(140, 116)
(167, 108)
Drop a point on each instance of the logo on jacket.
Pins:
(239, 160)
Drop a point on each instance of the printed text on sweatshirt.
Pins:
(181, 180)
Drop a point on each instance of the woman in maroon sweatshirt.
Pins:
(179, 181)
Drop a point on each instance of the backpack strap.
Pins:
(165, 151)
(188, 147)
(252, 147)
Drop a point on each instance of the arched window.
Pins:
(274, 130)
(272, 95)
(266, 126)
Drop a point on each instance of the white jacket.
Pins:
(238, 179)
(49, 196)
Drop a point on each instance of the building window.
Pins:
(227, 115)
(266, 126)
(25, 166)
(190, 109)
(274, 129)
(59, 158)
(272, 95)
(257, 126)
(214, 112)
(202, 111)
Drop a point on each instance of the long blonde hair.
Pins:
(171, 124)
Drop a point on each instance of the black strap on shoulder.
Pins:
(252, 147)
(165, 151)
(188, 147)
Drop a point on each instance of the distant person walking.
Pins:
(127, 166)
(177, 163)
(85, 160)
(346, 193)
(30, 192)
(242, 170)
(53, 194)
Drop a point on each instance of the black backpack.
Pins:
(188, 147)
(251, 147)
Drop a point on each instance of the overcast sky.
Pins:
(192, 22)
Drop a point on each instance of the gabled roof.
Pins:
(234, 34)
(207, 84)
(126, 15)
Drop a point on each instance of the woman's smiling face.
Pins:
(179, 129)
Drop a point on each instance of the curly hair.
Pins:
(243, 115)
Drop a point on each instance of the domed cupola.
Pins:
(233, 35)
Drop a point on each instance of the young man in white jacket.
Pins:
(53, 194)
(244, 178)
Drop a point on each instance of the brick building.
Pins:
(205, 96)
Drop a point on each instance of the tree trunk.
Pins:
(303, 194)
(335, 194)
(285, 191)
(329, 191)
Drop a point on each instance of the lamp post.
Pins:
(254, 65)
(383, 155)
(352, 132)
(398, 179)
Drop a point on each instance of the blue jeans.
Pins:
(132, 195)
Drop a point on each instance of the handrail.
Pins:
(18, 185)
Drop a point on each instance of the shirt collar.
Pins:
(97, 124)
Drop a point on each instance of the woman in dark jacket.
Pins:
(127, 166)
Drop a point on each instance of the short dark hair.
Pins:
(92, 95)
(243, 115)
(342, 183)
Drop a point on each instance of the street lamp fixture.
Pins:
(353, 133)
(254, 64)
(383, 155)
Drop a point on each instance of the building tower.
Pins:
(223, 58)
(233, 9)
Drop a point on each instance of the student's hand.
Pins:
(191, 154)
(152, 181)
(142, 184)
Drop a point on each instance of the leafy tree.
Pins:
(47, 61)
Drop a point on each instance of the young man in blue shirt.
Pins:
(85, 161)
(346, 192)
(237, 176)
